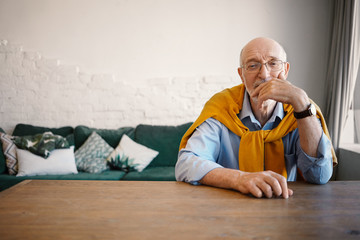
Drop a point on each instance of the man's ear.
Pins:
(286, 69)
(240, 74)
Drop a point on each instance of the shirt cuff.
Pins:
(323, 151)
(190, 168)
(317, 169)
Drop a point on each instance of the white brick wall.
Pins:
(46, 92)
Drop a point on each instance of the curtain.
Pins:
(343, 66)
(357, 109)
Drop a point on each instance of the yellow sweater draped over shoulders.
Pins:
(259, 150)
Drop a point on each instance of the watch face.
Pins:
(312, 109)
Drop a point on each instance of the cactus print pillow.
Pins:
(129, 155)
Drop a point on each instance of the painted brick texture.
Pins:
(46, 92)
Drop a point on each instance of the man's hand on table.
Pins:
(259, 184)
(266, 183)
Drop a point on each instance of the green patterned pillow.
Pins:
(41, 144)
(91, 156)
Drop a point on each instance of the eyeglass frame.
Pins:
(266, 65)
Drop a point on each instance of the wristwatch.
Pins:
(310, 111)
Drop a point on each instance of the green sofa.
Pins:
(164, 139)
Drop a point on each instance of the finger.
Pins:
(266, 93)
(267, 88)
(285, 191)
(260, 91)
(258, 88)
(277, 90)
(266, 189)
(291, 192)
(255, 191)
(283, 183)
(275, 185)
(256, 91)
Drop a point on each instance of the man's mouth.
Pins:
(258, 83)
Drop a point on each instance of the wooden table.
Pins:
(41, 209)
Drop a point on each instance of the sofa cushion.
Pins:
(2, 157)
(91, 156)
(164, 139)
(129, 155)
(152, 174)
(60, 161)
(111, 136)
(26, 129)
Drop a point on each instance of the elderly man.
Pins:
(255, 137)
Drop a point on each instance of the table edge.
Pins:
(14, 188)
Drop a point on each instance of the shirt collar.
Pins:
(246, 112)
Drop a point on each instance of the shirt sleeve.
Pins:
(316, 170)
(200, 154)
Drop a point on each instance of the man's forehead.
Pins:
(263, 48)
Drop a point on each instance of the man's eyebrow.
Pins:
(257, 60)
(251, 60)
(274, 58)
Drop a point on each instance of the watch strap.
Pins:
(306, 113)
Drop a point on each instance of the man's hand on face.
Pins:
(266, 183)
(281, 90)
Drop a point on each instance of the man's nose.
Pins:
(264, 73)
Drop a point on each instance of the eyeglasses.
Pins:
(272, 66)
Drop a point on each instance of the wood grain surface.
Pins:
(49, 209)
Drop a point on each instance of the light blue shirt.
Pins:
(212, 145)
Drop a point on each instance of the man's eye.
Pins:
(252, 65)
(273, 63)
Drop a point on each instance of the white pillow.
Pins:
(60, 161)
(139, 155)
